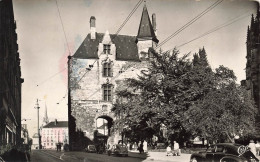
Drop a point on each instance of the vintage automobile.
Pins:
(118, 149)
(225, 152)
(91, 148)
(1, 160)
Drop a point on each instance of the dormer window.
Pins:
(106, 48)
(107, 69)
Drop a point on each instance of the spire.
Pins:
(248, 33)
(146, 30)
(252, 23)
(45, 118)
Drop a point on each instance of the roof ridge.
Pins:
(118, 34)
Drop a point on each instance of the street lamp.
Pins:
(39, 136)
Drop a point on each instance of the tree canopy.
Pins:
(187, 97)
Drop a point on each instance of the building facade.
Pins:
(10, 74)
(252, 82)
(101, 62)
(53, 133)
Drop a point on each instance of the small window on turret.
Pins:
(106, 49)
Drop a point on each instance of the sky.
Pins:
(43, 48)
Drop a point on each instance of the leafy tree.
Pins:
(159, 96)
(185, 96)
(226, 111)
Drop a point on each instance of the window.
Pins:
(219, 149)
(106, 48)
(107, 70)
(107, 92)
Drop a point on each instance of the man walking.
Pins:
(176, 149)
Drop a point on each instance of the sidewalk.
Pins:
(160, 156)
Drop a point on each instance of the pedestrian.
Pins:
(176, 149)
(57, 147)
(257, 145)
(252, 147)
(168, 150)
(145, 146)
(141, 149)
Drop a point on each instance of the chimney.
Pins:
(154, 23)
(92, 27)
(56, 122)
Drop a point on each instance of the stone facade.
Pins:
(95, 71)
(10, 74)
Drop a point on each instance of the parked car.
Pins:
(91, 148)
(118, 149)
(1, 160)
(225, 152)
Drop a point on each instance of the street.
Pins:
(52, 155)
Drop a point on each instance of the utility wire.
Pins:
(190, 22)
(100, 88)
(210, 31)
(66, 43)
(120, 28)
(215, 29)
(113, 78)
(63, 27)
(129, 16)
(51, 77)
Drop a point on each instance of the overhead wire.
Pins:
(120, 28)
(229, 22)
(63, 27)
(117, 32)
(178, 31)
(129, 16)
(189, 23)
(51, 77)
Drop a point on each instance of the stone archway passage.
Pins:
(109, 122)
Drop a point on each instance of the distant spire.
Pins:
(146, 30)
(45, 118)
(248, 33)
(252, 23)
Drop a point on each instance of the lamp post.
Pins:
(39, 136)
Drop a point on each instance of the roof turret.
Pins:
(146, 30)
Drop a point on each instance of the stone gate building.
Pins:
(95, 71)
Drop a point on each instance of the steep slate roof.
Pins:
(146, 30)
(60, 124)
(126, 48)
